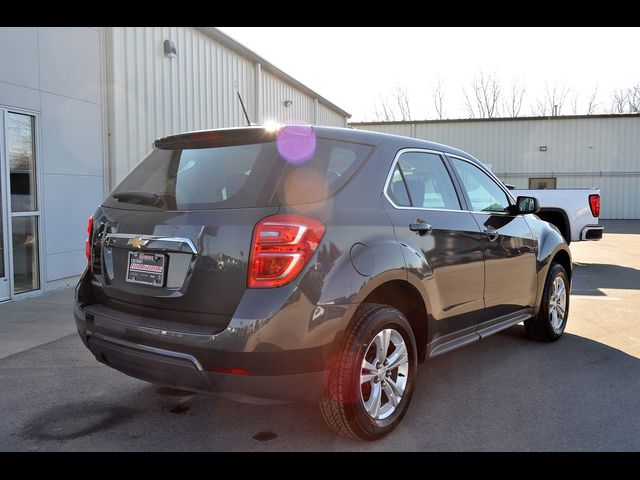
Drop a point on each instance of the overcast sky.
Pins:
(354, 67)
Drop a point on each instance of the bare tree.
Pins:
(552, 102)
(633, 99)
(383, 112)
(574, 104)
(592, 104)
(513, 104)
(438, 98)
(483, 102)
(402, 99)
(619, 103)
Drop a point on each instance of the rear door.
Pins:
(447, 253)
(509, 246)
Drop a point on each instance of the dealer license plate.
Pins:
(146, 268)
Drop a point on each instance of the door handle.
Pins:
(420, 227)
(492, 233)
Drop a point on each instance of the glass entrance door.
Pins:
(5, 284)
(20, 148)
(19, 206)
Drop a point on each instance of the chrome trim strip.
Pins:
(390, 175)
(146, 348)
(422, 150)
(161, 238)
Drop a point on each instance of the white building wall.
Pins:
(598, 151)
(329, 117)
(55, 74)
(151, 95)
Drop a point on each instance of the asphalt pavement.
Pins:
(502, 393)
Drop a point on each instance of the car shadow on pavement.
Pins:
(502, 393)
(589, 278)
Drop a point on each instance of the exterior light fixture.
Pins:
(543, 148)
(170, 49)
(288, 103)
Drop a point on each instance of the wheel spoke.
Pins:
(399, 357)
(382, 345)
(559, 287)
(398, 391)
(394, 399)
(560, 308)
(369, 367)
(373, 404)
(554, 318)
(367, 377)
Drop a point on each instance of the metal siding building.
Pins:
(151, 95)
(79, 107)
(581, 151)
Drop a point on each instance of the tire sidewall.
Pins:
(378, 321)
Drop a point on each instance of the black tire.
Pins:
(342, 407)
(540, 327)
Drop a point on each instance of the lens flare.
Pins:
(296, 143)
(271, 126)
(301, 185)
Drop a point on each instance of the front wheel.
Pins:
(551, 321)
(371, 384)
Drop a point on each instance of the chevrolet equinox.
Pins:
(312, 264)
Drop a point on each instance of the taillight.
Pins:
(281, 246)
(594, 203)
(87, 243)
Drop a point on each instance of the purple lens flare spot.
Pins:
(296, 143)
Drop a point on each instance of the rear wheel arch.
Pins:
(406, 298)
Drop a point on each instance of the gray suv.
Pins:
(312, 264)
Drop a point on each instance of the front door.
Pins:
(446, 254)
(509, 246)
(5, 285)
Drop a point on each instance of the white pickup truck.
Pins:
(574, 211)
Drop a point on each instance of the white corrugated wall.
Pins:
(582, 152)
(151, 95)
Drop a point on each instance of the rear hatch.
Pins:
(172, 241)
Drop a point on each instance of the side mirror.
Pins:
(527, 205)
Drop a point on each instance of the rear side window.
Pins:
(238, 176)
(421, 180)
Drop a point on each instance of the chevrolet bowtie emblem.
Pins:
(137, 242)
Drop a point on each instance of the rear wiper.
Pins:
(142, 198)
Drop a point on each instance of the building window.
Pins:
(542, 183)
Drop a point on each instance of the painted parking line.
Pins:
(595, 297)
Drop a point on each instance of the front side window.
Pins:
(422, 181)
(484, 194)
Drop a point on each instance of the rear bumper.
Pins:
(275, 348)
(181, 371)
(592, 232)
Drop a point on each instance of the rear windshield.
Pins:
(239, 176)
